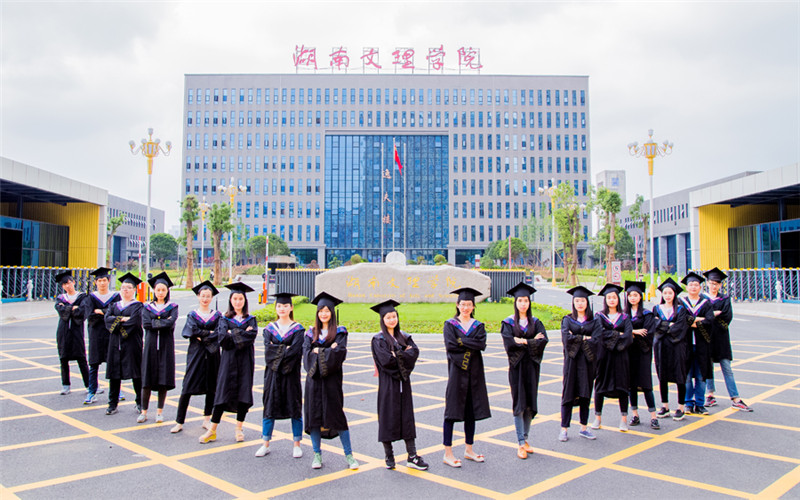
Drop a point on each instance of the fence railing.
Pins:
(762, 284)
(502, 281)
(16, 280)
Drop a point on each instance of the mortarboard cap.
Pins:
(284, 298)
(715, 275)
(610, 288)
(580, 291)
(238, 287)
(63, 277)
(324, 299)
(160, 278)
(670, 283)
(129, 278)
(635, 286)
(206, 285)
(521, 290)
(466, 293)
(692, 276)
(101, 272)
(385, 307)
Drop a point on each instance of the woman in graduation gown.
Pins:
(96, 305)
(283, 393)
(395, 355)
(700, 319)
(202, 357)
(613, 367)
(158, 359)
(580, 336)
(671, 347)
(466, 397)
(124, 360)
(236, 331)
(71, 309)
(640, 353)
(524, 339)
(324, 352)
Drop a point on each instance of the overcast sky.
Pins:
(719, 79)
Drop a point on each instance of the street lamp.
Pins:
(550, 192)
(650, 150)
(232, 190)
(149, 148)
(204, 207)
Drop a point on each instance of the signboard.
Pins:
(616, 272)
(402, 58)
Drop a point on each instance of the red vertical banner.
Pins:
(397, 160)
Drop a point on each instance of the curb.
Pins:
(14, 319)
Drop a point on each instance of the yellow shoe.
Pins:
(208, 437)
(528, 448)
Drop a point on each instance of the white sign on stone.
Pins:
(374, 283)
(395, 258)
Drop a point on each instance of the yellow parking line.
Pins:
(81, 476)
(680, 481)
(764, 424)
(740, 451)
(782, 485)
(777, 403)
(33, 444)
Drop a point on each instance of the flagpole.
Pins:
(405, 204)
(381, 174)
(394, 218)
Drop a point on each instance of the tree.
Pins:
(535, 230)
(492, 251)
(334, 262)
(219, 223)
(113, 224)
(277, 246)
(608, 206)
(624, 247)
(257, 246)
(356, 259)
(568, 225)
(641, 218)
(163, 246)
(191, 211)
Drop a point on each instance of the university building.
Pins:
(315, 154)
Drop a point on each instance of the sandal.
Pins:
(456, 463)
(176, 429)
(239, 436)
(475, 458)
(208, 437)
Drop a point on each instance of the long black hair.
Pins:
(639, 307)
(398, 334)
(605, 303)
(333, 325)
(166, 297)
(471, 314)
(589, 313)
(530, 328)
(231, 311)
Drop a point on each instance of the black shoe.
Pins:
(654, 424)
(111, 410)
(700, 410)
(679, 415)
(689, 409)
(416, 462)
(634, 421)
(390, 462)
(663, 413)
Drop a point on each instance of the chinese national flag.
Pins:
(397, 160)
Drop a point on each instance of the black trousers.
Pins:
(411, 448)
(241, 413)
(114, 387)
(598, 404)
(664, 386)
(162, 398)
(566, 412)
(82, 365)
(183, 406)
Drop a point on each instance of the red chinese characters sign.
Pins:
(469, 58)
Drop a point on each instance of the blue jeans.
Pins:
(695, 386)
(727, 374)
(316, 440)
(268, 424)
(93, 369)
(523, 424)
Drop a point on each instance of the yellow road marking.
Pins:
(740, 451)
(780, 487)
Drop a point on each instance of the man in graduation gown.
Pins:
(97, 303)
(124, 360)
(69, 333)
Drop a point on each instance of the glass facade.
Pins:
(369, 205)
(759, 246)
(32, 243)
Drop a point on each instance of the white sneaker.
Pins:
(595, 424)
(264, 450)
(141, 418)
(159, 418)
(297, 452)
(623, 425)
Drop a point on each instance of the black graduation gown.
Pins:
(720, 335)
(237, 362)
(524, 364)
(700, 337)
(671, 345)
(395, 400)
(202, 357)
(466, 395)
(324, 399)
(96, 326)
(613, 367)
(640, 353)
(158, 359)
(69, 333)
(283, 393)
(580, 341)
(124, 359)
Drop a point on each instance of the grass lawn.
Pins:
(416, 318)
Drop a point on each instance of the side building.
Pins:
(317, 156)
(129, 238)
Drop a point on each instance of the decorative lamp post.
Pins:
(650, 150)
(204, 207)
(550, 192)
(150, 148)
(232, 190)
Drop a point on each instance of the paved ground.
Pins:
(52, 446)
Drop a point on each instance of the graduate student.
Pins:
(467, 399)
(580, 336)
(324, 352)
(236, 331)
(613, 367)
(524, 339)
(395, 355)
(671, 347)
(95, 309)
(124, 360)
(283, 393)
(721, 340)
(640, 353)
(699, 320)
(202, 357)
(69, 333)
(158, 359)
